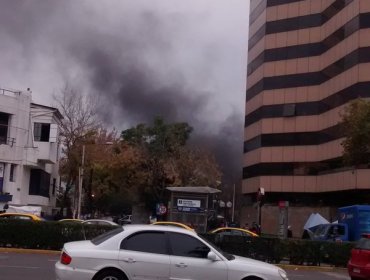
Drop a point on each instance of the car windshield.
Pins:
(321, 230)
(105, 236)
(363, 244)
(226, 255)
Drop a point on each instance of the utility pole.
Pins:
(80, 180)
(233, 209)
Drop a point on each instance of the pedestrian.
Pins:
(290, 233)
(246, 226)
(254, 228)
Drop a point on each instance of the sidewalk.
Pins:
(29, 251)
(324, 267)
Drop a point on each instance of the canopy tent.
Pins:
(315, 219)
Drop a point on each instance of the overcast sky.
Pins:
(184, 60)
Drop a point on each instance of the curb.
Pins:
(29, 251)
(313, 268)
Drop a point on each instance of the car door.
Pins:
(144, 256)
(189, 260)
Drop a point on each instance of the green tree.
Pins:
(166, 160)
(356, 125)
(79, 126)
(117, 173)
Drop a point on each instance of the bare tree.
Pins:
(80, 125)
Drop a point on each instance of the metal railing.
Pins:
(9, 92)
(7, 141)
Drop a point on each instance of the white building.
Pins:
(29, 151)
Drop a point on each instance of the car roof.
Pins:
(21, 214)
(98, 220)
(173, 224)
(71, 220)
(233, 228)
(149, 227)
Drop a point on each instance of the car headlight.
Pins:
(283, 274)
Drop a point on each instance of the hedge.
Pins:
(293, 251)
(45, 235)
(52, 236)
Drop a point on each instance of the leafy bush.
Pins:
(294, 251)
(45, 235)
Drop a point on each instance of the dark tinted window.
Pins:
(15, 217)
(337, 230)
(22, 218)
(4, 122)
(39, 183)
(364, 244)
(105, 236)
(187, 246)
(91, 223)
(149, 242)
(41, 132)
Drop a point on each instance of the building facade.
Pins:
(29, 151)
(306, 60)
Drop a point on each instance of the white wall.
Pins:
(27, 153)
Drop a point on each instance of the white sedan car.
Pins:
(138, 252)
(99, 222)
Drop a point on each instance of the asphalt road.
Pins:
(20, 266)
(318, 275)
(15, 266)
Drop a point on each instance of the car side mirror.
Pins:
(212, 256)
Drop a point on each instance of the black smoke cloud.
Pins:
(135, 64)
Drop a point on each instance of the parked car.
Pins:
(99, 222)
(233, 231)
(174, 224)
(71, 221)
(20, 216)
(358, 265)
(123, 220)
(155, 252)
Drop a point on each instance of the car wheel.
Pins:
(252, 278)
(110, 275)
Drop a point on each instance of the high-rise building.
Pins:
(306, 60)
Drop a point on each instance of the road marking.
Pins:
(336, 275)
(17, 266)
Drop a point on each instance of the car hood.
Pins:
(248, 265)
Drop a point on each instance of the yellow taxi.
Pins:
(20, 216)
(233, 231)
(175, 224)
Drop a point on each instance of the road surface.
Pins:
(20, 266)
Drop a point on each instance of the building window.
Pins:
(54, 185)
(41, 132)
(39, 183)
(4, 124)
(13, 172)
(289, 110)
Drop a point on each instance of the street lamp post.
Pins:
(80, 180)
(233, 210)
